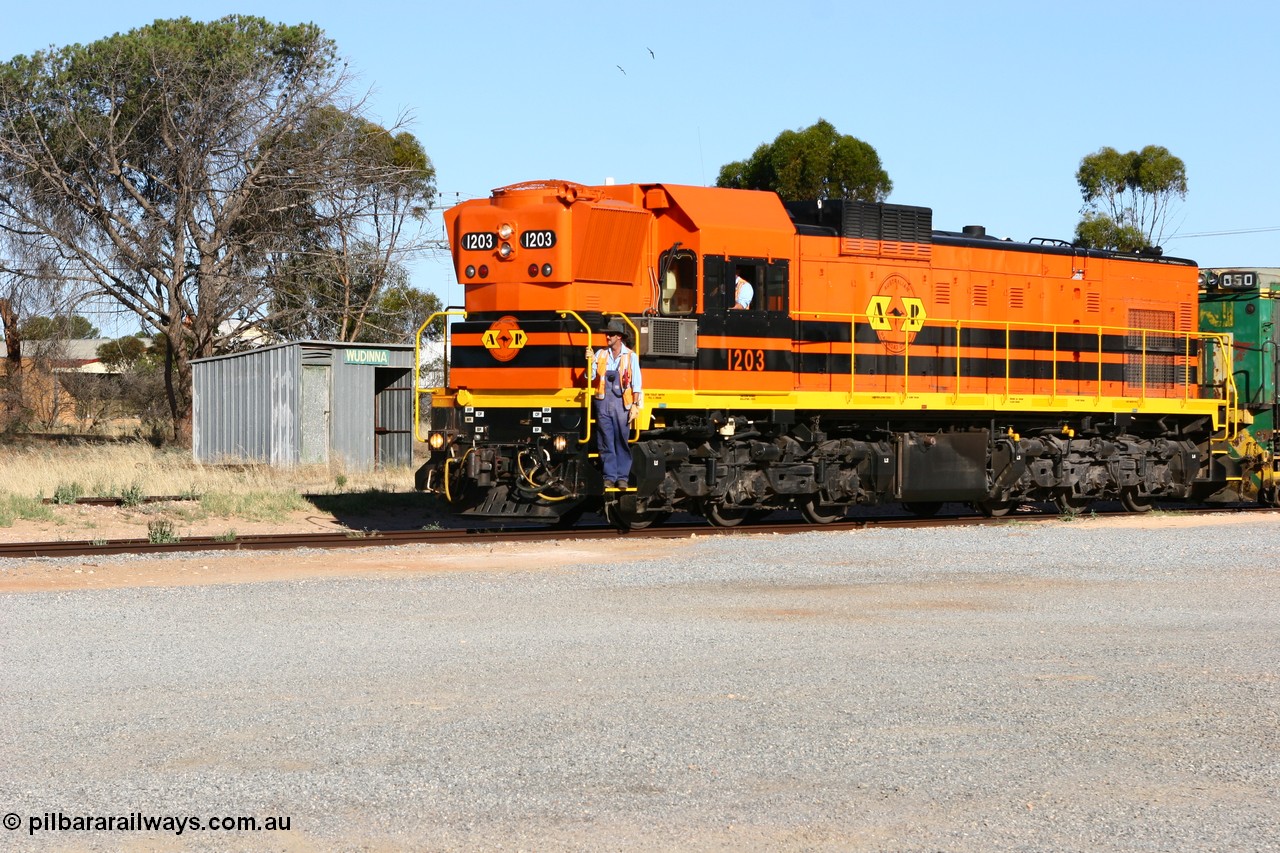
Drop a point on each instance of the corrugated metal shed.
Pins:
(306, 402)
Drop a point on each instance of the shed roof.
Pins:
(306, 343)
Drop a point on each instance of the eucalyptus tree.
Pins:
(364, 216)
(1128, 197)
(165, 165)
(815, 162)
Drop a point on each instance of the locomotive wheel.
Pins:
(996, 509)
(815, 513)
(922, 509)
(1134, 502)
(1069, 504)
(725, 516)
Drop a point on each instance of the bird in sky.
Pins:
(651, 56)
(623, 70)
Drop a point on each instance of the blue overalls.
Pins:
(613, 424)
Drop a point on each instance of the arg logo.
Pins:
(896, 313)
(504, 339)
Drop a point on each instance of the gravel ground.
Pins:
(1065, 687)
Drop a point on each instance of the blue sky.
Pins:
(981, 111)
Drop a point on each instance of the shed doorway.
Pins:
(392, 416)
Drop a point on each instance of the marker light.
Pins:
(533, 270)
(484, 270)
(546, 270)
(471, 271)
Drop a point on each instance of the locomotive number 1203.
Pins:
(746, 359)
(479, 241)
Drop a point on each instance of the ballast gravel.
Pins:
(1046, 687)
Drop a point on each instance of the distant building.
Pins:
(79, 355)
(63, 382)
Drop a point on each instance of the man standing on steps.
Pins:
(615, 374)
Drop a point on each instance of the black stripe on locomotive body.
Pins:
(917, 361)
(782, 329)
(531, 355)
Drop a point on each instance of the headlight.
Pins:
(559, 443)
(435, 440)
(505, 231)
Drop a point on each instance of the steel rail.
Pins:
(383, 539)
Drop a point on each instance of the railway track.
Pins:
(118, 501)
(382, 539)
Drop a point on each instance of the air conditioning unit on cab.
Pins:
(667, 336)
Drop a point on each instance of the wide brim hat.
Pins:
(615, 327)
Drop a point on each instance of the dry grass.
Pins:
(32, 472)
(108, 470)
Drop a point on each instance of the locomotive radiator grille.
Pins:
(1157, 367)
(886, 230)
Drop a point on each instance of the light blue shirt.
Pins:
(742, 293)
(614, 362)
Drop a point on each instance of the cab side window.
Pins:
(679, 284)
(775, 288)
(714, 298)
(745, 285)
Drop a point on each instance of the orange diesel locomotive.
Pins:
(879, 361)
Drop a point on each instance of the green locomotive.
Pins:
(1243, 302)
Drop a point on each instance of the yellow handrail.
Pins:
(586, 394)
(417, 366)
(1226, 343)
(635, 339)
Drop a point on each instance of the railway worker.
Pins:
(615, 372)
(743, 291)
